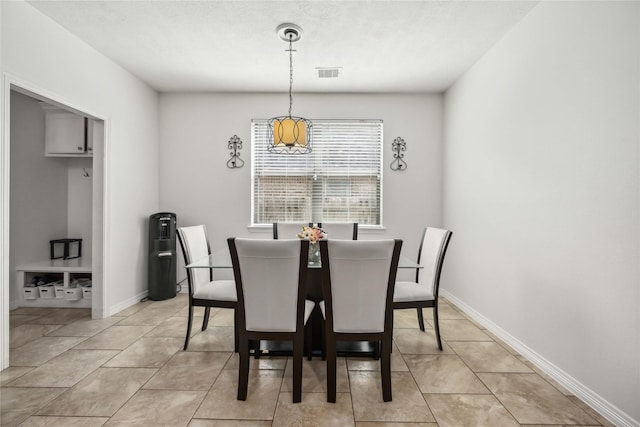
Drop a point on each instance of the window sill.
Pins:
(365, 229)
(260, 228)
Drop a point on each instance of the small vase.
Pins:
(314, 253)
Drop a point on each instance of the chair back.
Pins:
(358, 282)
(288, 230)
(195, 246)
(340, 230)
(270, 280)
(431, 256)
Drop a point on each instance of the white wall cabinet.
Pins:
(67, 134)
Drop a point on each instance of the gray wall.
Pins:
(50, 60)
(197, 185)
(541, 185)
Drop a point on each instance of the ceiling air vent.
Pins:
(328, 73)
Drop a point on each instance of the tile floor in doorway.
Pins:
(129, 369)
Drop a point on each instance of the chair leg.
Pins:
(298, 344)
(205, 322)
(236, 337)
(323, 345)
(385, 370)
(420, 319)
(392, 317)
(436, 325)
(256, 349)
(331, 368)
(307, 340)
(243, 369)
(376, 349)
(189, 322)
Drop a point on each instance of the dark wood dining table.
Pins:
(222, 259)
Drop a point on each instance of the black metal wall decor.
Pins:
(398, 147)
(234, 145)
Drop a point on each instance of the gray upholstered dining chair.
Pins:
(270, 277)
(204, 291)
(423, 292)
(358, 279)
(340, 230)
(288, 230)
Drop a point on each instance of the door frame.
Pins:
(100, 203)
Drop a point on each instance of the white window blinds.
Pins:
(340, 181)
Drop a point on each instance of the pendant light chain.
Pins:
(290, 72)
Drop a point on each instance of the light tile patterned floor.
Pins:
(69, 370)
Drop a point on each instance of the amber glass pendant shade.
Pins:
(289, 132)
(290, 135)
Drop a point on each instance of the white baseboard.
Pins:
(14, 304)
(184, 285)
(115, 309)
(595, 401)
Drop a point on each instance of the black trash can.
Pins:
(162, 256)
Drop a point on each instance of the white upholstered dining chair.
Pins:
(340, 230)
(423, 292)
(288, 230)
(270, 277)
(204, 291)
(358, 278)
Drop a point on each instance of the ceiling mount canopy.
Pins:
(289, 32)
(291, 135)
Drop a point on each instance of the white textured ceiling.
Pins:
(382, 46)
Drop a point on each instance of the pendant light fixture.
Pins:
(291, 135)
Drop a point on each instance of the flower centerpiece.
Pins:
(313, 235)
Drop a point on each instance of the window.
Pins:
(340, 181)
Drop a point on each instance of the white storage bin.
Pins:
(86, 292)
(73, 294)
(46, 291)
(59, 291)
(30, 293)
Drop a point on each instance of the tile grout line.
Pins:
(281, 389)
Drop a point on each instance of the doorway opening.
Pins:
(50, 192)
